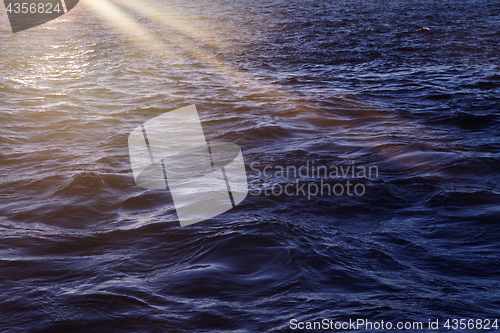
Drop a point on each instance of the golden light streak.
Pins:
(171, 21)
(64, 6)
(236, 78)
(123, 23)
(189, 40)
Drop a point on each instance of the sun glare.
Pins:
(199, 45)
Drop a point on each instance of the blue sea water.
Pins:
(411, 87)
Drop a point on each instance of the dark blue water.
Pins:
(410, 87)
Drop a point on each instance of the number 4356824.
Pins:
(33, 8)
(476, 324)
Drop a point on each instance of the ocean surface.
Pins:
(411, 87)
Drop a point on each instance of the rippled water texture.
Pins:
(412, 87)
